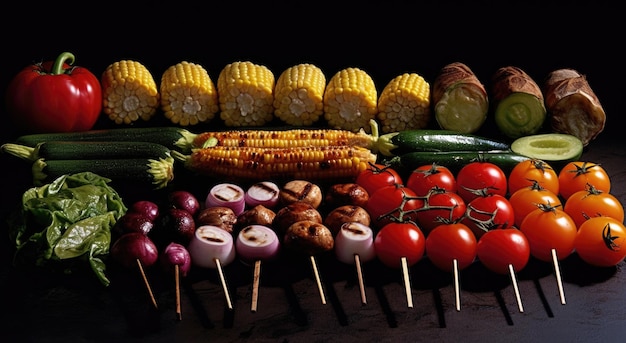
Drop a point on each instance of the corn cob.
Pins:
(299, 95)
(283, 138)
(253, 164)
(129, 92)
(350, 100)
(188, 95)
(404, 104)
(246, 94)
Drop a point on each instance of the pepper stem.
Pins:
(57, 67)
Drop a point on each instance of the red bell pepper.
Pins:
(54, 96)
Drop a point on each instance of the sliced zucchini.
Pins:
(553, 148)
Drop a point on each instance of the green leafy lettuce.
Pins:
(66, 225)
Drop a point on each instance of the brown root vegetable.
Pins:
(346, 214)
(258, 215)
(220, 216)
(572, 105)
(519, 103)
(295, 212)
(460, 100)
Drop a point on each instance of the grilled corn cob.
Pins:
(188, 95)
(253, 164)
(404, 104)
(283, 138)
(246, 94)
(350, 100)
(129, 92)
(299, 95)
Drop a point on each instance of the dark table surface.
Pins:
(390, 39)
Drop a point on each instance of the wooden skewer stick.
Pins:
(557, 272)
(255, 285)
(179, 312)
(223, 280)
(145, 280)
(317, 279)
(457, 288)
(359, 273)
(516, 288)
(407, 282)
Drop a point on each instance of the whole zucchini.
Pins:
(455, 160)
(138, 172)
(86, 150)
(169, 136)
(402, 142)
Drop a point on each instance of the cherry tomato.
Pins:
(527, 199)
(497, 249)
(527, 172)
(589, 203)
(575, 176)
(377, 176)
(488, 213)
(601, 241)
(449, 242)
(548, 228)
(440, 207)
(479, 178)
(397, 240)
(426, 177)
(392, 203)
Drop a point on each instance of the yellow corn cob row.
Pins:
(253, 164)
(283, 138)
(188, 95)
(246, 94)
(129, 92)
(350, 100)
(404, 104)
(299, 94)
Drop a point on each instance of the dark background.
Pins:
(385, 38)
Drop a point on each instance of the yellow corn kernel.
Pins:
(253, 164)
(188, 95)
(404, 104)
(129, 92)
(282, 138)
(299, 95)
(350, 100)
(246, 94)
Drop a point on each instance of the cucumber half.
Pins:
(557, 148)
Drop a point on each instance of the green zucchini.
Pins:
(455, 160)
(402, 142)
(86, 150)
(153, 173)
(169, 136)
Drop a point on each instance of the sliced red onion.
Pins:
(211, 243)
(228, 195)
(354, 239)
(257, 243)
(176, 254)
(262, 193)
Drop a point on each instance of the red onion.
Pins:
(134, 246)
(185, 201)
(176, 254)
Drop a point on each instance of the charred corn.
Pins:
(404, 104)
(246, 94)
(299, 95)
(350, 100)
(129, 92)
(283, 138)
(188, 95)
(253, 164)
